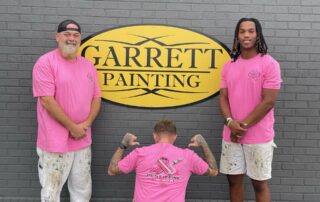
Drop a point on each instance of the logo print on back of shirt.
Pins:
(163, 165)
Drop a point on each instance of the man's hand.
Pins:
(78, 131)
(129, 140)
(238, 129)
(197, 141)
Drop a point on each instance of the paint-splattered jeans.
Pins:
(54, 170)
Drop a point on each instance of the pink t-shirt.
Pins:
(162, 171)
(73, 85)
(245, 79)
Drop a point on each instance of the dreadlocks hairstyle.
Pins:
(260, 42)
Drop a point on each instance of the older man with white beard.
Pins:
(69, 100)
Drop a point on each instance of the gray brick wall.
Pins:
(292, 31)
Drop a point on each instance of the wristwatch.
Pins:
(122, 146)
(227, 121)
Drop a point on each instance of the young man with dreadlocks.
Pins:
(249, 88)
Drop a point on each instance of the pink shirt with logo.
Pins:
(162, 171)
(73, 85)
(245, 79)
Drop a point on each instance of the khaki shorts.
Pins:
(252, 159)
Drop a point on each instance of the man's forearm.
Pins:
(113, 168)
(269, 99)
(224, 103)
(208, 155)
(54, 109)
(95, 108)
(259, 112)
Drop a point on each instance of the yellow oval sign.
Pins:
(155, 66)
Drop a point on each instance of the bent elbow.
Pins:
(110, 172)
(214, 173)
(45, 101)
(113, 171)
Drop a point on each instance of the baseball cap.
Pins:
(63, 26)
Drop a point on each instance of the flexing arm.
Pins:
(269, 97)
(127, 140)
(54, 109)
(113, 168)
(199, 141)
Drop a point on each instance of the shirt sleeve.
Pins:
(128, 163)
(272, 76)
(97, 92)
(198, 165)
(43, 81)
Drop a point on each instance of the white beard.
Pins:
(69, 49)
